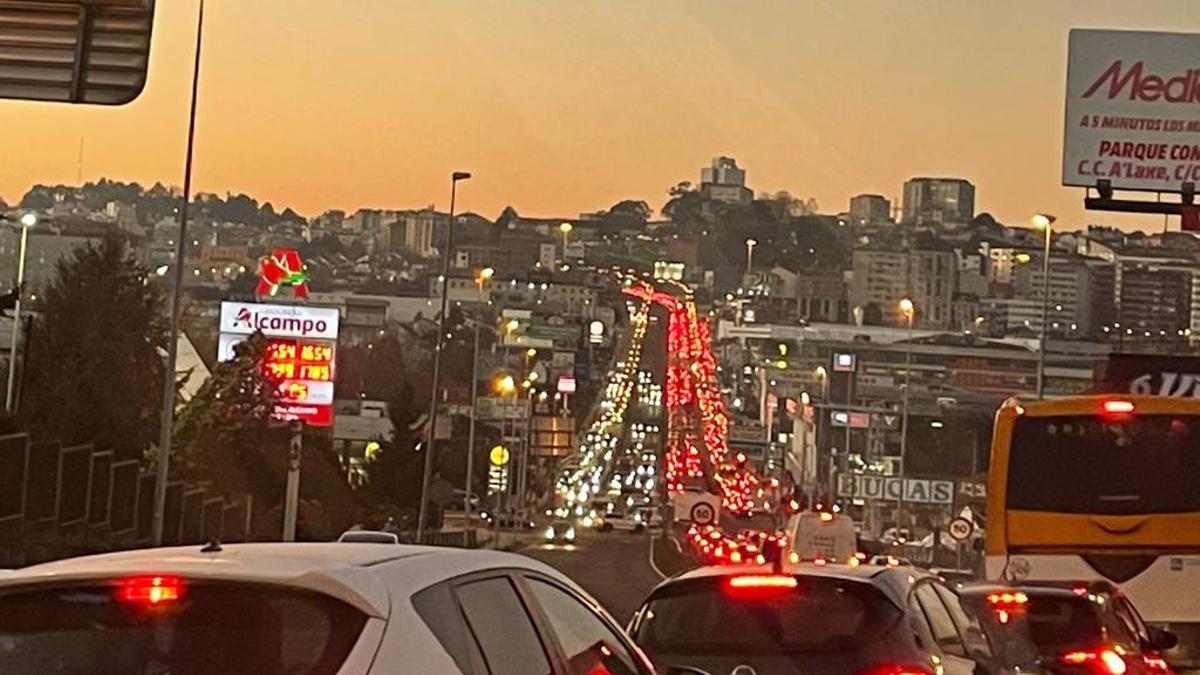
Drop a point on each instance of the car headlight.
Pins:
(588, 521)
(550, 533)
(570, 534)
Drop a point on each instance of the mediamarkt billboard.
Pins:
(1133, 110)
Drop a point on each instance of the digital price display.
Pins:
(303, 372)
(299, 360)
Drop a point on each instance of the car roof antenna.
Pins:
(213, 546)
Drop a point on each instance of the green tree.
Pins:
(95, 364)
(225, 437)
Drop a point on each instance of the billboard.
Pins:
(300, 358)
(1149, 374)
(295, 321)
(1132, 113)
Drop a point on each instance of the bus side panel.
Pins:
(997, 487)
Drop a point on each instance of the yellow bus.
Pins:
(1102, 487)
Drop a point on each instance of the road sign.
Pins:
(499, 455)
(703, 514)
(961, 529)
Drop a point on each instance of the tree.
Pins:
(222, 430)
(225, 438)
(95, 365)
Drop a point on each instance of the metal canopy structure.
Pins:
(74, 51)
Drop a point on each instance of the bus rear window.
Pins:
(1121, 465)
(206, 628)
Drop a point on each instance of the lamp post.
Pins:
(750, 244)
(481, 278)
(565, 228)
(26, 222)
(423, 511)
(1044, 221)
(909, 309)
(167, 421)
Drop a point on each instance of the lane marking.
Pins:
(653, 565)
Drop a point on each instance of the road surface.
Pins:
(614, 567)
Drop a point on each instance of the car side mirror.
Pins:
(686, 670)
(1162, 640)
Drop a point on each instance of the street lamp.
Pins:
(565, 228)
(481, 278)
(27, 221)
(750, 244)
(506, 385)
(909, 309)
(423, 511)
(1044, 222)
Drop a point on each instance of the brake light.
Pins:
(1007, 599)
(897, 669)
(150, 590)
(1105, 660)
(1117, 407)
(762, 581)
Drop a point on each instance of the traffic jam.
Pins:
(688, 479)
(774, 585)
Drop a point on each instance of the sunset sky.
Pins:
(560, 107)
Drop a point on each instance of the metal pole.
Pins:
(168, 402)
(471, 432)
(10, 403)
(291, 503)
(423, 511)
(904, 419)
(1041, 368)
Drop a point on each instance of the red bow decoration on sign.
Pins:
(282, 268)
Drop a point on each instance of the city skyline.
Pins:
(567, 109)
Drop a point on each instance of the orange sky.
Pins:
(560, 107)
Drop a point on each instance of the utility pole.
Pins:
(167, 422)
(291, 504)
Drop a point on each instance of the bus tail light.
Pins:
(1117, 407)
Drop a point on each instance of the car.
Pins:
(635, 521)
(508, 521)
(1067, 628)
(560, 532)
(368, 537)
(809, 618)
(317, 608)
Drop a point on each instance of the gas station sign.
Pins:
(300, 354)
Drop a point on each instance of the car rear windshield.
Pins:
(820, 615)
(209, 628)
(1134, 464)
(1052, 624)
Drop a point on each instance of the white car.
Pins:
(306, 608)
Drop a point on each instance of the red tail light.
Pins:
(762, 581)
(760, 586)
(1118, 407)
(150, 590)
(1106, 661)
(897, 669)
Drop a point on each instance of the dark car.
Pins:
(1067, 629)
(863, 620)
